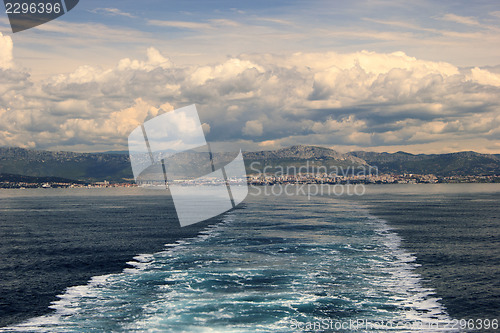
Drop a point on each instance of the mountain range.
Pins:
(115, 166)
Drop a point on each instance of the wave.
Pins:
(261, 269)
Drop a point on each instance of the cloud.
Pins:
(75, 33)
(484, 77)
(155, 60)
(361, 99)
(276, 20)
(5, 51)
(440, 32)
(224, 23)
(209, 25)
(181, 24)
(112, 12)
(253, 128)
(399, 24)
(116, 125)
(461, 19)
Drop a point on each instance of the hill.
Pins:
(308, 158)
(90, 167)
(453, 164)
(75, 166)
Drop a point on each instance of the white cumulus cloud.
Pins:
(356, 100)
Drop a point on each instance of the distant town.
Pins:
(260, 180)
(370, 179)
(46, 185)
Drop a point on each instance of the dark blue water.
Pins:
(54, 238)
(454, 230)
(396, 255)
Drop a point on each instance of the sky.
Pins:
(373, 75)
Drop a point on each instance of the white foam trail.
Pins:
(419, 301)
(182, 290)
(68, 303)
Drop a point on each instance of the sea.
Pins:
(402, 258)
